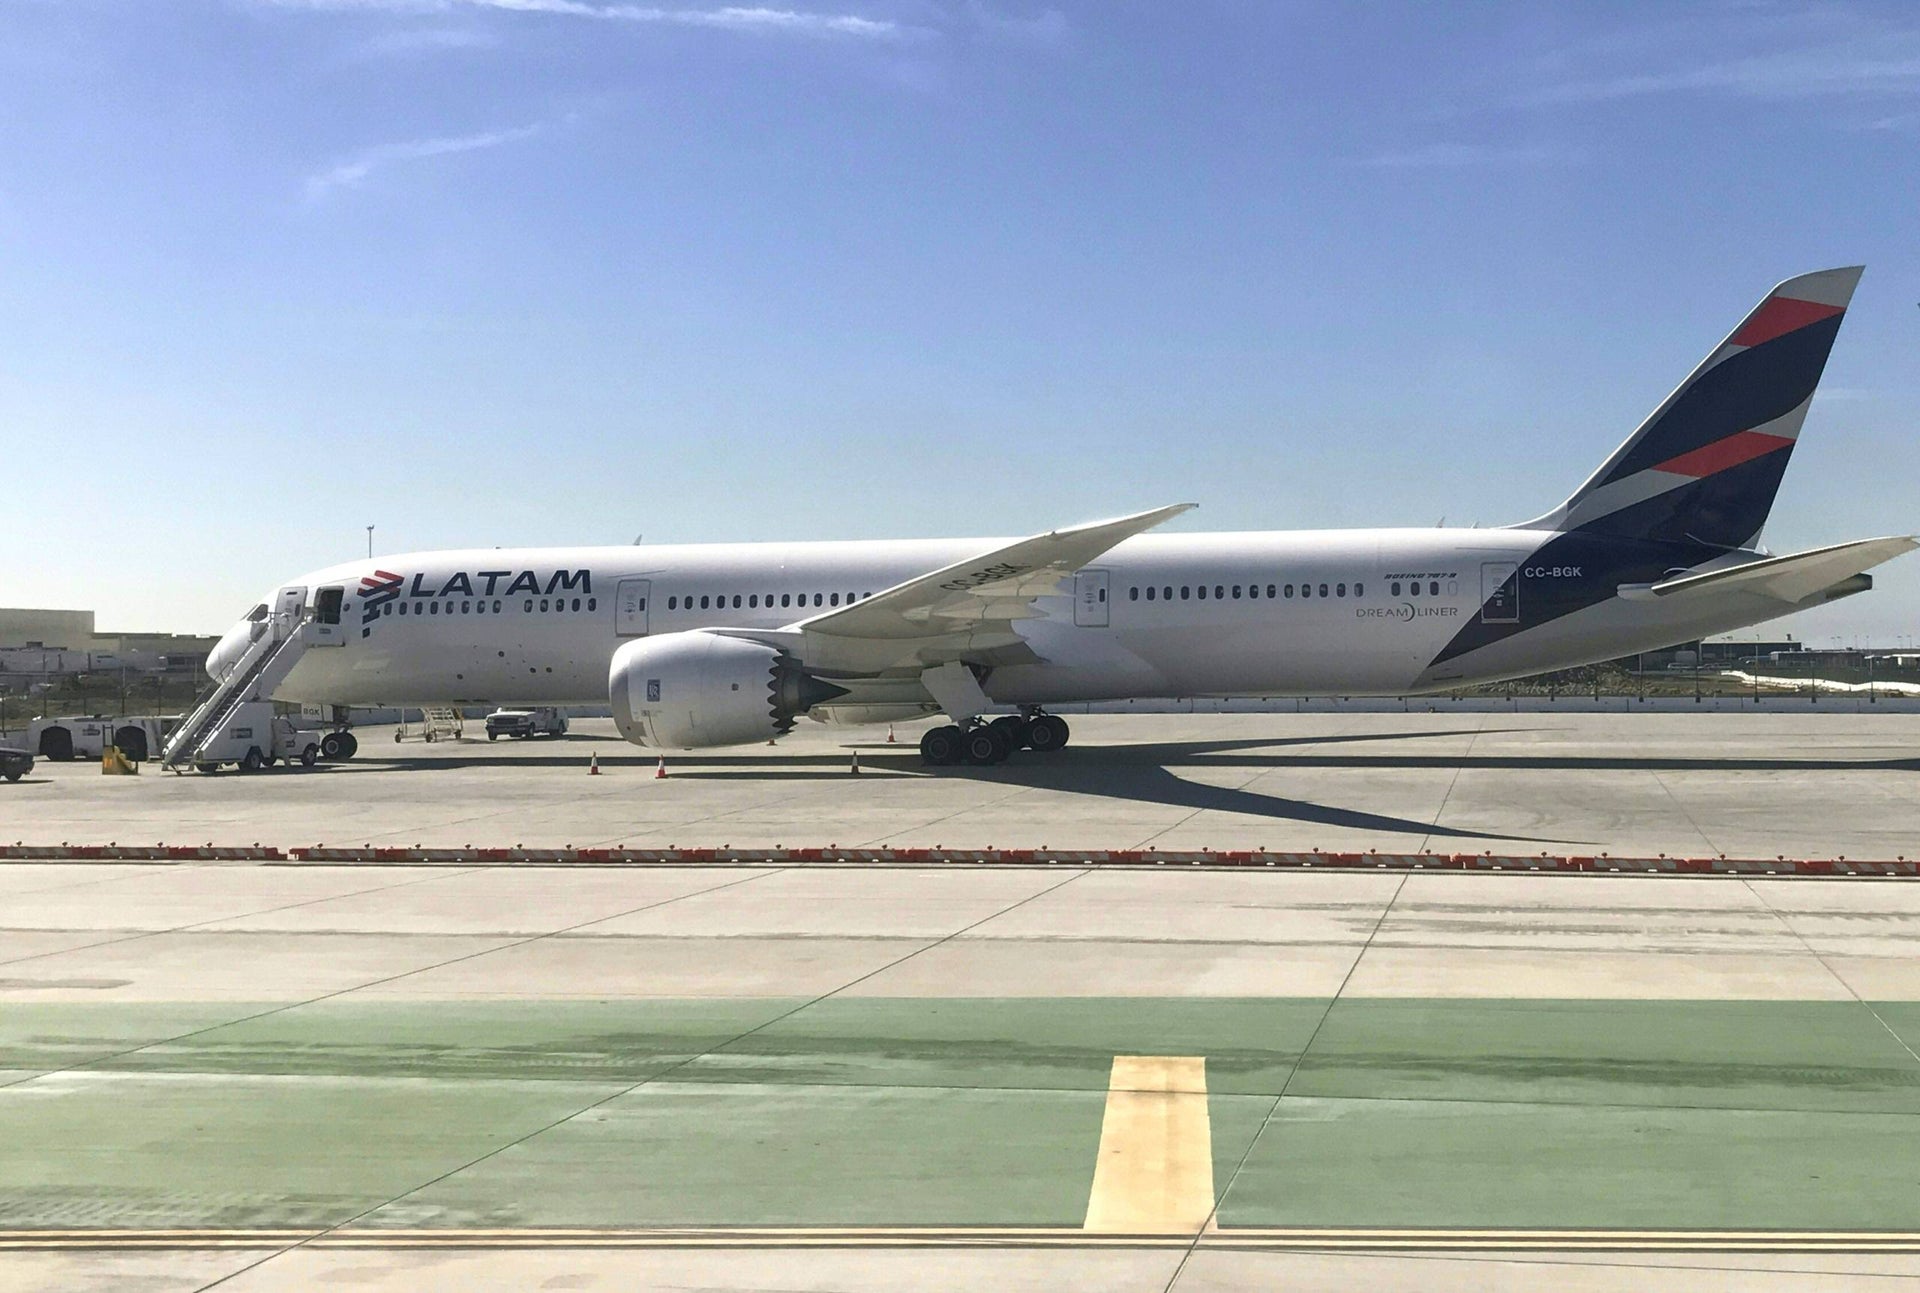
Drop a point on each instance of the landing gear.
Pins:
(941, 746)
(338, 747)
(1046, 733)
(984, 744)
(987, 745)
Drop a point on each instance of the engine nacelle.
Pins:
(685, 691)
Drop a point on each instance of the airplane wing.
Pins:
(994, 586)
(964, 612)
(1792, 578)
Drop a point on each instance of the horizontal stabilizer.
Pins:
(1793, 578)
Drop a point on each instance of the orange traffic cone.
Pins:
(593, 764)
(660, 773)
(889, 733)
(856, 763)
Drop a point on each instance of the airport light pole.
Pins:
(369, 543)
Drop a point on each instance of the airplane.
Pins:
(698, 646)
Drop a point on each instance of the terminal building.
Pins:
(38, 646)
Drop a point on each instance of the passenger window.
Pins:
(1203, 592)
(1219, 592)
(576, 604)
(1434, 588)
(1103, 594)
(1166, 594)
(1288, 590)
(529, 605)
(785, 598)
(818, 599)
(543, 606)
(1236, 592)
(1394, 588)
(496, 608)
(1270, 590)
(753, 601)
(1413, 589)
(1186, 591)
(703, 602)
(433, 608)
(673, 603)
(1323, 590)
(465, 607)
(1359, 590)
(403, 608)
(1253, 590)
(1150, 591)
(1306, 590)
(1133, 594)
(1340, 590)
(834, 600)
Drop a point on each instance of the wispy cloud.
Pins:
(418, 40)
(350, 173)
(736, 18)
(1797, 75)
(1457, 154)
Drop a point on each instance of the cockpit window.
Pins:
(257, 614)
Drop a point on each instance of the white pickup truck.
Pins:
(525, 722)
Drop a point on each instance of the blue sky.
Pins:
(542, 271)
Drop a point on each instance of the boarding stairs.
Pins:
(440, 723)
(270, 657)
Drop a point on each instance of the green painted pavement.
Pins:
(40, 1037)
(123, 1149)
(1816, 1055)
(1435, 1163)
(1251, 1045)
(955, 1111)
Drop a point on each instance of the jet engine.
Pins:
(689, 690)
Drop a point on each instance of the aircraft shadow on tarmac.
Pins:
(1145, 773)
(1149, 773)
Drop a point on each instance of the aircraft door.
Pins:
(288, 604)
(1499, 592)
(630, 607)
(1090, 599)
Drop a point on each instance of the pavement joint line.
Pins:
(1839, 978)
(1681, 808)
(1437, 1244)
(359, 987)
(932, 822)
(134, 936)
(651, 1078)
(1426, 841)
(1212, 1225)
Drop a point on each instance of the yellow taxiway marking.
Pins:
(1154, 1174)
(1370, 1239)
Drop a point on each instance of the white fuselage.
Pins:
(1354, 612)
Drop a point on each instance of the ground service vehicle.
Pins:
(139, 737)
(256, 738)
(14, 763)
(525, 722)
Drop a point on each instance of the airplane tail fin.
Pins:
(1705, 466)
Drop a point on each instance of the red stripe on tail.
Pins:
(1781, 315)
(1742, 446)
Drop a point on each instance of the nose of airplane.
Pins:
(226, 652)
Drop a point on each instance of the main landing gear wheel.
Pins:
(986, 745)
(1012, 729)
(941, 746)
(338, 747)
(1046, 733)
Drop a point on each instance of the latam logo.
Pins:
(384, 586)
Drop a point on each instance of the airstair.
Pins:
(277, 646)
(441, 723)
